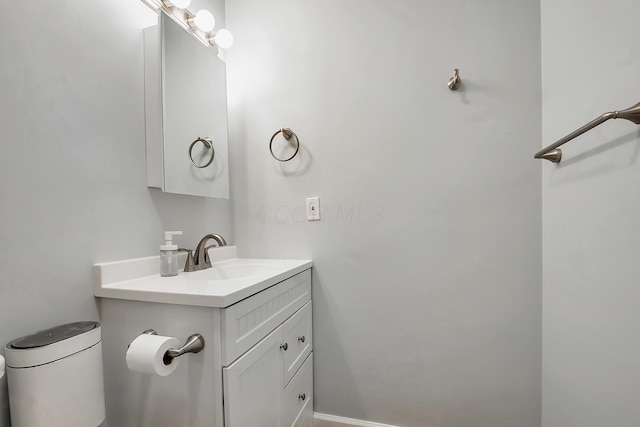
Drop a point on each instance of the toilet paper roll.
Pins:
(146, 354)
(2, 365)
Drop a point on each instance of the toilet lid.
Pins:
(52, 335)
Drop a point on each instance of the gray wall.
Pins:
(591, 64)
(427, 286)
(72, 159)
(427, 298)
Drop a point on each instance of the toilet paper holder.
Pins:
(194, 344)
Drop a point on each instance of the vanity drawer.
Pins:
(297, 335)
(244, 324)
(296, 405)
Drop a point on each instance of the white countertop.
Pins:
(228, 281)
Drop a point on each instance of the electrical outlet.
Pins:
(313, 208)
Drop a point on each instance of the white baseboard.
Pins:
(325, 420)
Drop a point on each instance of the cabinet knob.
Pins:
(284, 346)
(301, 339)
(302, 396)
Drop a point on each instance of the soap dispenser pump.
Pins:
(169, 255)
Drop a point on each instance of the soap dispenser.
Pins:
(169, 255)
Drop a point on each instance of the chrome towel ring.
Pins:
(208, 143)
(287, 133)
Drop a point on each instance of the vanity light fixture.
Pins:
(203, 20)
(199, 25)
(223, 38)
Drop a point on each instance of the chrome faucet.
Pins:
(198, 259)
(201, 259)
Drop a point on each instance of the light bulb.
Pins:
(181, 4)
(204, 20)
(223, 38)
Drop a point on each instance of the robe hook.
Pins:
(454, 82)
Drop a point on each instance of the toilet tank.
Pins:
(55, 377)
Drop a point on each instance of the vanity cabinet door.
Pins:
(253, 385)
(297, 398)
(297, 334)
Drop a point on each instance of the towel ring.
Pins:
(287, 133)
(208, 143)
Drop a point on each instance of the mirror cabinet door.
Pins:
(186, 113)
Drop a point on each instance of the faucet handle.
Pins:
(190, 264)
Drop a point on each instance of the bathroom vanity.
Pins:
(256, 369)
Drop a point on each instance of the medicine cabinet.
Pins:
(185, 113)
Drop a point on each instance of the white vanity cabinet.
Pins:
(256, 369)
(271, 385)
(267, 376)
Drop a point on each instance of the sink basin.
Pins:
(224, 271)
